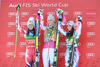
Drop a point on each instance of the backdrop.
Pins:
(88, 45)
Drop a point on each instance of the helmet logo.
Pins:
(68, 22)
(29, 21)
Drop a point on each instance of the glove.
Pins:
(59, 14)
(79, 18)
(40, 12)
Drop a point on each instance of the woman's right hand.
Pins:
(40, 11)
(79, 18)
(59, 12)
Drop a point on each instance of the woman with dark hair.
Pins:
(30, 40)
(73, 29)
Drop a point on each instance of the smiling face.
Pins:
(69, 27)
(50, 22)
(30, 27)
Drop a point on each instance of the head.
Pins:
(50, 20)
(70, 27)
(50, 23)
(31, 23)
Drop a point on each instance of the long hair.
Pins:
(70, 33)
(33, 31)
(54, 30)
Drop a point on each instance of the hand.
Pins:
(40, 11)
(79, 18)
(18, 7)
(59, 12)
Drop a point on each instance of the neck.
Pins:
(50, 25)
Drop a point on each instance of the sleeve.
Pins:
(63, 19)
(78, 30)
(61, 24)
(42, 27)
(61, 29)
(21, 30)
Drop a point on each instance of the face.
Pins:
(30, 27)
(69, 27)
(50, 22)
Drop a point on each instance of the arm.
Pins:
(40, 17)
(42, 23)
(61, 29)
(79, 26)
(20, 29)
(61, 16)
(61, 21)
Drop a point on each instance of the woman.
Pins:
(49, 39)
(30, 41)
(69, 39)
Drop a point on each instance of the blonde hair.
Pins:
(54, 30)
(51, 16)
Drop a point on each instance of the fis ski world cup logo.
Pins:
(91, 13)
(89, 34)
(9, 44)
(90, 44)
(90, 55)
(61, 55)
(21, 54)
(23, 24)
(39, 43)
(11, 14)
(9, 34)
(22, 44)
(61, 35)
(65, 13)
(62, 44)
(77, 13)
(21, 35)
(13, 5)
(9, 54)
(52, 13)
(31, 41)
(89, 24)
(63, 5)
(79, 43)
(11, 24)
(23, 14)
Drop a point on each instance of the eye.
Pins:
(50, 20)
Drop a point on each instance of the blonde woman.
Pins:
(49, 38)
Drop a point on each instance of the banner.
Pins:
(88, 44)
